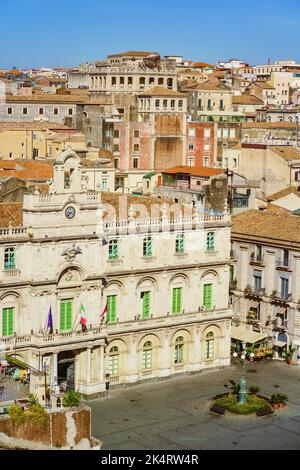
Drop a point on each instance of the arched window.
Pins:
(179, 346)
(122, 80)
(180, 104)
(170, 82)
(147, 355)
(165, 103)
(209, 345)
(161, 81)
(172, 104)
(113, 81)
(157, 103)
(142, 81)
(113, 366)
(130, 81)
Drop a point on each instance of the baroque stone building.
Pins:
(163, 283)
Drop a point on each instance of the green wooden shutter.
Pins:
(69, 315)
(207, 296)
(115, 249)
(180, 244)
(66, 310)
(63, 316)
(176, 300)
(111, 309)
(8, 322)
(210, 241)
(149, 247)
(146, 305)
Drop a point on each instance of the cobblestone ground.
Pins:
(12, 390)
(174, 414)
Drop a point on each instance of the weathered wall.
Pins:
(63, 429)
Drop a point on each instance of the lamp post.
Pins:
(243, 388)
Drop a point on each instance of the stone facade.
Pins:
(63, 259)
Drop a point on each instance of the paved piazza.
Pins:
(174, 414)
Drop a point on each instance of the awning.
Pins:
(247, 336)
(280, 344)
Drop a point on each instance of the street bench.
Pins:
(217, 409)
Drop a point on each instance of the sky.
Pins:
(68, 32)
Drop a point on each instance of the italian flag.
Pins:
(104, 311)
(83, 316)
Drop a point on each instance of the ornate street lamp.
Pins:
(244, 362)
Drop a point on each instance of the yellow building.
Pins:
(32, 140)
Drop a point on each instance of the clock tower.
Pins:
(68, 208)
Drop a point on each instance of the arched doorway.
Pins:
(66, 370)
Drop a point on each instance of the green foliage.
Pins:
(290, 351)
(250, 350)
(35, 415)
(254, 389)
(32, 399)
(16, 415)
(253, 404)
(235, 388)
(279, 398)
(71, 399)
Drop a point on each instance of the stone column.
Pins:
(164, 357)
(88, 366)
(54, 375)
(194, 352)
(243, 265)
(131, 374)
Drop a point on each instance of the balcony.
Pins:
(280, 299)
(169, 320)
(257, 260)
(11, 274)
(283, 265)
(47, 342)
(254, 293)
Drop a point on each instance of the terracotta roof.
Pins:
(287, 152)
(214, 86)
(115, 199)
(31, 125)
(264, 85)
(11, 215)
(269, 125)
(194, 171)
(161, 91)
(202, 64)
(26, 170)
(272, 225)
(134, 53)
(246, 100)
(57, 98)
(283, 193)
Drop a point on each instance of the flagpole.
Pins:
(76, 317)
(46, 324)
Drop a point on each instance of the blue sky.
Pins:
(67, 32)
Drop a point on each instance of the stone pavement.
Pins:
(13, 390)
(174, 414)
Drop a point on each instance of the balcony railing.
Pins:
(283, 264)
(256, 259)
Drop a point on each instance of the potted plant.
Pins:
(289, 354)
(279, 400)
(254, 389)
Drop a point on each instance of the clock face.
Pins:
(70, 212)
